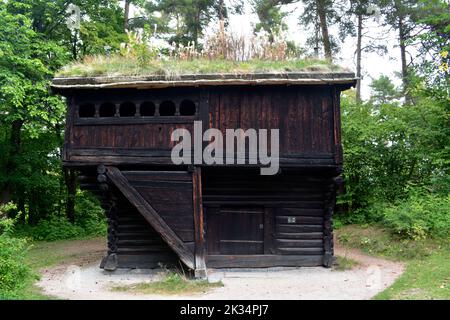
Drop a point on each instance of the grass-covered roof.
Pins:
(172, 69)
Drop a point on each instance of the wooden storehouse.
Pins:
(208, 216)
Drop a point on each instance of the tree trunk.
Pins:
(5, 195)
(359, 57)
(21, 208)
(221, 10)
(71, 183)
(197, 27)
(402, 37)
(321, 11)
(74, 45)
(317, 38)
(14, 149)
(127, 15)
(402, 40)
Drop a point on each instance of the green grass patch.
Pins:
(49, 253)
(28, 291)
(344, 263)
(376, 240)
(46, 254)
(427, 274)
(427, 279)
(117, 65)
(173, 283)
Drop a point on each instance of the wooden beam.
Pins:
(336, 103)
(263, 261)
(68, 129)
(152, 216)
(268, 230)
(200, 265)
(328, 244)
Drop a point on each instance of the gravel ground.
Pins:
(370, 276)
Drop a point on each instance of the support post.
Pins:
(330, 202)
(109, 203)
(338, 153)
(200, 265)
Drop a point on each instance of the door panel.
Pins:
(235, 230)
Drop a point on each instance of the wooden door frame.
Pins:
(268, 232)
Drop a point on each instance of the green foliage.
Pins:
(434, 17)
(101, 24)
(37, 178)
(89, 215)
(184, 21)
(310, 19)
(383, 91)
(375, 239)
(138, 48)
(270, 16)
(14, 272)
(89, 221)
(30, 126)
(6, 224)
(388, 148)
(420, 216)
(51, 229)
(36, 42)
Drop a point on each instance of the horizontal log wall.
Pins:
(130, 237)
(294, 205)
(138, 244)
(170, 194)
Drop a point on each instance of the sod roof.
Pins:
(116, 72)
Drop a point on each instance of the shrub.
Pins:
(89, 221)
(13, 270)
(376, 239)
(54, 228)
(389, 146)
(420, 216)
(6, 224)
(89, 215)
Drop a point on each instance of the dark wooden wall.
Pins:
(249, 214)
(304, 116)
(230, 217)
(170, 194)
(138, 244)
(134, 242)
(307, 117)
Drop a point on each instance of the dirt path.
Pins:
(82, 279)
(66, 252)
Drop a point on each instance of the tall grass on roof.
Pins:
(223, 52)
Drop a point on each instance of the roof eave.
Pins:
(154, 82)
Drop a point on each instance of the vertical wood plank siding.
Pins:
(306, 116)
